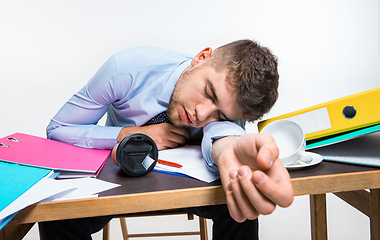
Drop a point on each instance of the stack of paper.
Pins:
(364, 150)
(191, 159)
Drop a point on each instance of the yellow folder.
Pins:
(336, 116)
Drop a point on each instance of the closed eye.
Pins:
(210, 94)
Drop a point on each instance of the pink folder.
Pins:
(41, 152)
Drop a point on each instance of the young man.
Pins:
(203, 96)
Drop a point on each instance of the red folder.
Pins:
(45, 153)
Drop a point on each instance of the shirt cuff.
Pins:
(105, 137)
(215, 131)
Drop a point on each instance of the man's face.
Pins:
(201, 96)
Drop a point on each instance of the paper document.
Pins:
(191, 159)
(363, 150)
(84, 188)
(46, 187)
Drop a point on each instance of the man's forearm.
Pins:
(89, 136)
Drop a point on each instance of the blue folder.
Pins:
(16, 180)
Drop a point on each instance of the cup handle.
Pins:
(305, 157)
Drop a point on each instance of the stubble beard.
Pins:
(172, 114)
(174, 103)
(174, 107)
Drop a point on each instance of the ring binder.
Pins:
(69, 160)
(337, 116)
(12, 139)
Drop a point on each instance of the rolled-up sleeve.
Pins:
(215, 131)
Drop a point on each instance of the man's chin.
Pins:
(181, 124)
(178, 123)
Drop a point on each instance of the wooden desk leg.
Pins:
(318, 217)
(203, 228)
(374, 203)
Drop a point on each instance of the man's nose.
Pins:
(206, 110)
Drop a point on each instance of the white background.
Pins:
(326, 49)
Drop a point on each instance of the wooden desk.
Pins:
(158, 191)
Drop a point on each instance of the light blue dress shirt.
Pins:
(132, 87)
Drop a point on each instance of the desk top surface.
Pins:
(159, 191)
(155, 181)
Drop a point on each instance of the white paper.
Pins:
(191, 159)
(46, 187)
(84, 188)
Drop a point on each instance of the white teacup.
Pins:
(290, 140)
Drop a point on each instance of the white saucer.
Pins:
(316, 160)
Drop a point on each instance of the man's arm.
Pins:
(76, 122)
(165, 135)
(253, 177)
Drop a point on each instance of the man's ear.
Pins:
(201, 56)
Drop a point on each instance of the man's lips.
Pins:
(185, 117)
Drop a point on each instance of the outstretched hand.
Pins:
(254, 179)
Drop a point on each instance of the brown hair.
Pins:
(252, 71)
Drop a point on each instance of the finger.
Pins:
(260, 203)
(180, 139)
(175, 135)
(165, 135)
(180, 131)
(277, 186)
(232, 205)
(242, 201)
(267, 151)
(170, 144)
